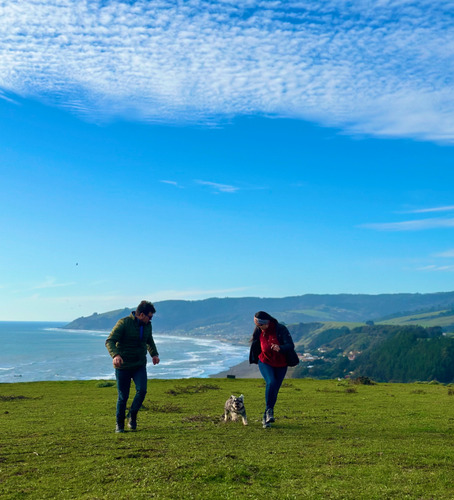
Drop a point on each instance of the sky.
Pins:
(192, 149)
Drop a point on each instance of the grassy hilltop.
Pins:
(331, 440)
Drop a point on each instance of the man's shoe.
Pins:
(265, 424)
(269, 416)
(132, 423)
(119, 429)
(132, 420)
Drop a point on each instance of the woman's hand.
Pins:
(276, 347)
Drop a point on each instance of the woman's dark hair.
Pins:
(264, 315)
(261, 315)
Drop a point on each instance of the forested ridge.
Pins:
(380, 352)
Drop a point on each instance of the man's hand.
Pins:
(117, 361)
(155, 360)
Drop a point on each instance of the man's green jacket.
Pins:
(125, 340)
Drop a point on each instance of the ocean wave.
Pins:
(57, 354)
(94, 333)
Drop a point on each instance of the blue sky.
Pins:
(185, 150)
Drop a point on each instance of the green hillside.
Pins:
(231, 318)
(304, 334)
(400, 353)
(331, 440)
(443, 318)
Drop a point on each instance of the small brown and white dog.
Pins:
(234, 408)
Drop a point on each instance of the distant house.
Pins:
(307, 357)
(353, 355)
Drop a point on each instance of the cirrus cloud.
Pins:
(418, 224)
(219, 188)
(411, 225)
(381, 68)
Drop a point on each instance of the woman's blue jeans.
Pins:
(124, 377)
(274, 377)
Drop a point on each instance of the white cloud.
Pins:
(449, 208)
(171, 183)
(221, 188)
(434, 267)
(411, 225)
(374, 67)
(6, 98)
(50, 282)
(446, 254)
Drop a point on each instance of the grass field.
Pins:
(331, 440)
(423, 319)
(328, 325)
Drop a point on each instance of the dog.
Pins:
(234, 408)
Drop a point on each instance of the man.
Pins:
(128, 343)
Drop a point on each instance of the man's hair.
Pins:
(145, 307)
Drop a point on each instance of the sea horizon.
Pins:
(44, 351)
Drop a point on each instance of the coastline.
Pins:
(54, 351)
(241, 370)
(245, 370)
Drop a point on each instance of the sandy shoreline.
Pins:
(242, 370)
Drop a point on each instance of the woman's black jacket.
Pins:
(283, 337)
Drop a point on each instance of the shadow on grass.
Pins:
(191, 389)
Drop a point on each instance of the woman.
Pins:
(272, 348)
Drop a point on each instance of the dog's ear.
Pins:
(241, 397)
(232, 397)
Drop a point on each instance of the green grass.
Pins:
(339, 324)
(427, 319)
(327, 325)
(331, 440)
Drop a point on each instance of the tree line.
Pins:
(383, 353)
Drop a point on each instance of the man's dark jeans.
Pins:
(273, 379)
(124, 377)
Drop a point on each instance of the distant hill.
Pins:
(383, 353)
(397, 337)
(231, 318)
(427, 318)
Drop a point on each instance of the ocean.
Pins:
(38, 351)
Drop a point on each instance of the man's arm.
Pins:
(111, 343)
(151, 347)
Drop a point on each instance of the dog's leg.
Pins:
(244, 419)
